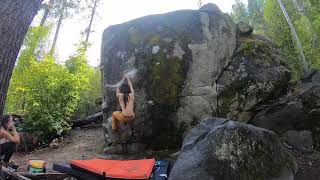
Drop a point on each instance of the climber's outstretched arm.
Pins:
(118, 92)
(130, 84)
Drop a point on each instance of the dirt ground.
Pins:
(85, 143)
(308, 166)
(88, 143)
(78, 144)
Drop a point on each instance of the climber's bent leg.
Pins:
(116, 115)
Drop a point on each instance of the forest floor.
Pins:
(88, 143)
(308, 165)
(82, 143)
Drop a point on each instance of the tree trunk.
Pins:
(200, 3)
(15, 19)
(95, 118)
(63, 7)
(13, 175)
(46, 12)
(295, 35)
(47, 176)
(90, 24)
(263, 22)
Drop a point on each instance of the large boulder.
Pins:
(223, 149)
(177, 56)
(188, 65)
(298, 139)
(256, 75)
(299, 110)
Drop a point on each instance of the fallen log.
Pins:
(46, 176)
(13, 175)
(95, 118)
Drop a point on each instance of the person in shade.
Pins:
(125, 95)
(9, 139)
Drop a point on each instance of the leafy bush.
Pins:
(90, 79)
(15, 102)
(90, 98)
(52, 96)
(44, 92)
(280, 33)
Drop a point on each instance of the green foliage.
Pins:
(73, 7)
(268, 19)
(90, 83)
(52, 96)
(239, 12)
(44, 92)
(255, 16)
(280, 33)
(165, 79)
(311, 17)
(90, 98)
(78, 66)
(18, 87)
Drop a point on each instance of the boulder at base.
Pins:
(299, 110)
(117, 139)
(222, 149)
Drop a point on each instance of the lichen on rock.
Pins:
(257, 75)
(222, 149)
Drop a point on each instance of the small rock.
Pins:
(298, 138)
(122, 135)
(177, 51)
(244, 29)
(168, 40)
(54, 143)
(210, 8)
(135, 147)
(113, 149)
(155, 49)
(310, 163)
(150, 102)
(175, 154)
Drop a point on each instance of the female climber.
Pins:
(125, 95)
(9, 139)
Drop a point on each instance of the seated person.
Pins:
(9, 139)
(125, 95)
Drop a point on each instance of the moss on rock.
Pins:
(255, 76)
(253, 47)
(164, 79)
(164, 75)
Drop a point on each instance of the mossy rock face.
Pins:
(299, 110)
(168, 52)
(257, 75)
(162, 75)
(222, 149)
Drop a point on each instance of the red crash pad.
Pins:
(122, 169)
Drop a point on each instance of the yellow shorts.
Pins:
(117, 116)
